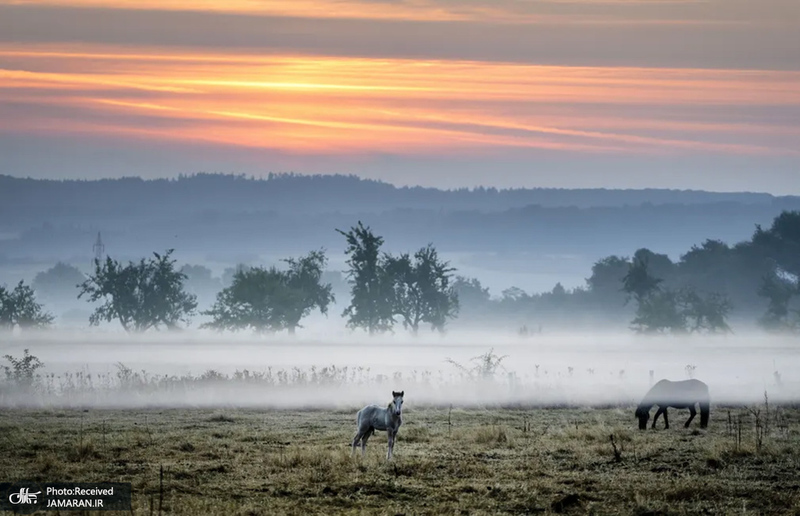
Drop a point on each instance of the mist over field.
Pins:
(341, 371)
(534, 297)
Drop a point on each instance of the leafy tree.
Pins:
(657, 308)
(305, 289)
(555, 300)
(371, 286)
(513, 295)
(607, 275)
(58, 284)
(423, 292)
(781, 286)
(705, 313)
(143, 295)
(252, 301)
(782, 241)
(471, 294)
(271, 300)
(515, 306)
(658, 264)
(406, 295)
(705, 258)
(681, 311)
(18, 308)
(638, 282)
(659, 312)
(779, 290)
(230, 272)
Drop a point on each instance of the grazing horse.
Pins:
(683, 394)
(373, 417)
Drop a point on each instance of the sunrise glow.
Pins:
(334, 105)
(324, 84)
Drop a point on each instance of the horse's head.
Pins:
(643, 414)
(397, 402)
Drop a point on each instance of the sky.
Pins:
(688, 94)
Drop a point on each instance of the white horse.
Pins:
(681, 394)
(373, 417)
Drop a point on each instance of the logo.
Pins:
(31, 497)
(24, 496)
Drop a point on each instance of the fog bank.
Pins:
(195, 369)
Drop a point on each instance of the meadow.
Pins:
(536, 427)
(447, 461)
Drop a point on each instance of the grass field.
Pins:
(492, 461)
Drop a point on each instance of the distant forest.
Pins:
(754, 282)
(43, 221)
(323, 193)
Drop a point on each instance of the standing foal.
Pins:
(373, 417)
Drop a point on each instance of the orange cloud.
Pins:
(311, 104)
(419, 10)
(640, 12)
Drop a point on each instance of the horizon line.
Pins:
(272, 176)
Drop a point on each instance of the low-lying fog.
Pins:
(83, 369)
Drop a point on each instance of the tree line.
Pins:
(321, 193)
(753, 281)
(710, 284)
(151, 293)
(239, 215)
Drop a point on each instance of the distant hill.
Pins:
(26, 198)
(229, 218)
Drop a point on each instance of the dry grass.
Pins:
(493, 461)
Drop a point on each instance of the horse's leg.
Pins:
(358, 437)
(705, 413)
(391, 444)
(666, 420)
(364, 440)
(658, 413)
(692, 413)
